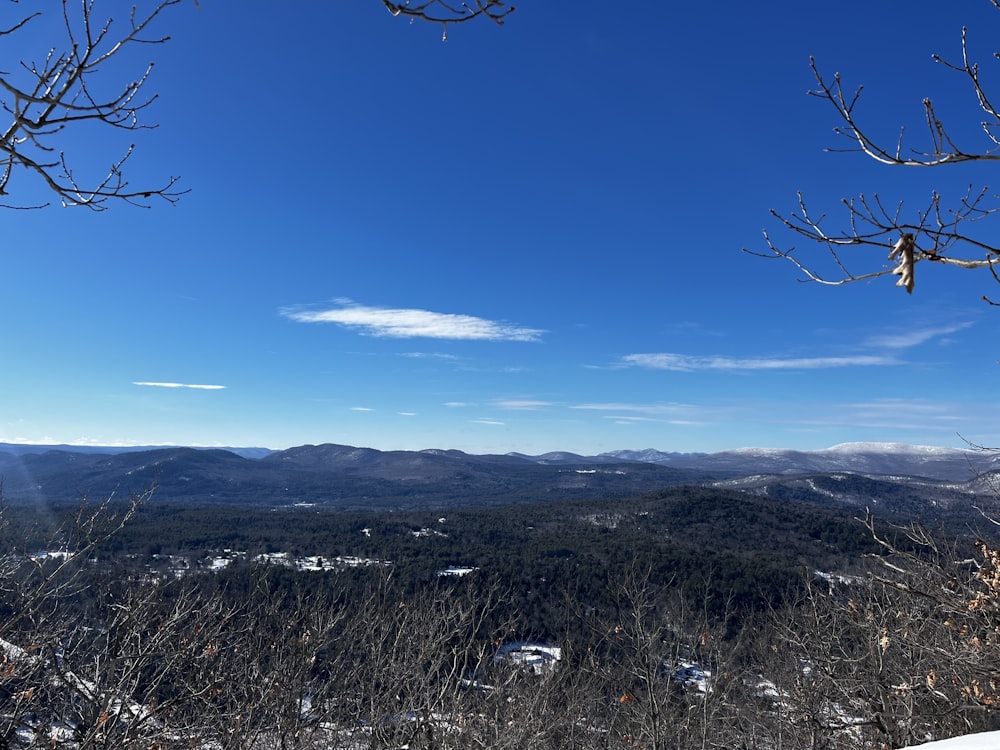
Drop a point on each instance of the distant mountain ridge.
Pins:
(20, 449)
(883, 459)
(909, 478)
(330, 476)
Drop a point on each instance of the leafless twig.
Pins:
(942, 233)
(45, 100)
(447, 13)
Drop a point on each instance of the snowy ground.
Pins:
(984, 741)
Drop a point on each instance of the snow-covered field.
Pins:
(983, 741)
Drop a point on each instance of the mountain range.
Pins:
(908, 479)
(884, 459)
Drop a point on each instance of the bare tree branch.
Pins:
(445, 13)
(42, 99)
(940, 233)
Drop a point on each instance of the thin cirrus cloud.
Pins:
(689, 363)
(404, 323)
(670, 413)
(195, 386)
(523, 404)
(888, 344)
(430, 355)
(915, 336)
(919, 415)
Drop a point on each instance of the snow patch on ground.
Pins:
(982, 741)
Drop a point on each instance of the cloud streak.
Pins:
(430, 355)
(670, 413)
(387, 322)
(880, 350)
(914, 336)
(690, 363)
(523, 404)
(195, 386)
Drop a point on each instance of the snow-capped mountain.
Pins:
(883, 459)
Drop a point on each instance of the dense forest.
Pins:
(738, 552)
(685, 617)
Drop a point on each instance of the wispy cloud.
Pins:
(669, 413)
(407, 413)
(900, 413)
(410, 323)
(430, 355)
(916, 420)
(195, 386)
(523, 404)
(361, 408)
(690, 363)
(632, 419)
(491, 422)
(879, 350)
(457, 404)
(914, 336)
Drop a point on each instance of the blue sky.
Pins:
(526, 238)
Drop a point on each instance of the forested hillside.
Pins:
(686, 617)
